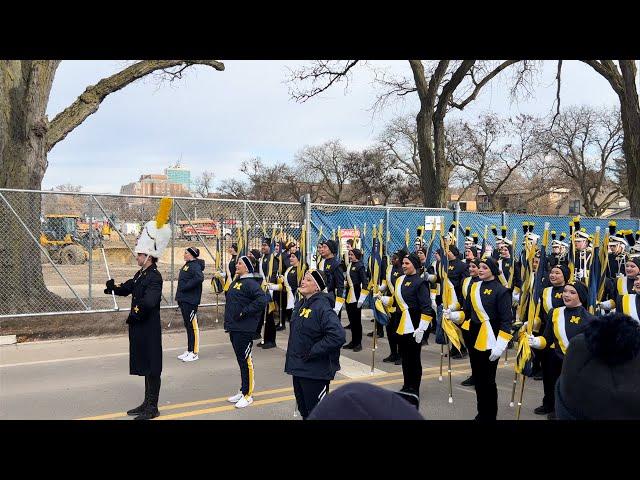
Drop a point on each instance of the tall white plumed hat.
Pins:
(156, 234)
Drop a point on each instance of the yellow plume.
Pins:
(164, 210)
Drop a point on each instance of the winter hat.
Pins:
(583, 292)
(415, 260)
(319, 278)
(363, 401)
(247, 263)
(357, 253)
(194, 251)
(332, 245)
(614, 338)
(492, 264)
(564, 269)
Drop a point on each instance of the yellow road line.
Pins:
(228, 408)
(196, 403)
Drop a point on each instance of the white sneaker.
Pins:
(235, 398)
(191, 357)
(244, 402)
(186, 352)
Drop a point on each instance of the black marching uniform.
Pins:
(313, 352)
(489, 318)
(356, 282)
(188, 296)
(550, 298)
(563, 323)
(411, 297)
(390, 274)
(145, 331)
(289, 289)
(335, 279)
(268, 269)
(244, 306)
(230, 272)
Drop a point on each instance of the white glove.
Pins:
(498, 349)
(446, 312)
(337, 307)
(515, 297)
(431, 277)
(579, 275)
(606, 305)
(434, 304)
(534, 341)
(272, 286)
(222, 274)
(456, 317)
(417, 334)
(385, 300)
(363, 295)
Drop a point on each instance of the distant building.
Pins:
(178, 174)
(155, 185)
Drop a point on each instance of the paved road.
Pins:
(88, 378)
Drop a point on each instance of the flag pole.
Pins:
(520, 399)
(513, 390)
(449, 371)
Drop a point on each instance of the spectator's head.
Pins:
(363, 401)
(601, 372)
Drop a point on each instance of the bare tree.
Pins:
(399, 141)
(236, 188)
(299, 180)
(582, 145)
(373, 176)
(436, 87)
(26, 137)
(492, 149)
(330, 161)
(203, 184)
(623, 79)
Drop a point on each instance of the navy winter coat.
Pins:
(244, 304)
(190, 282)
(315, 339)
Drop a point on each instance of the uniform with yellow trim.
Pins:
(289, 283)
(334, 275)
(411, 298)
(188, 296)
(392, 271)
(564, 323)
(268, 269)
(630, 305)
(313, 351)
(488, 308)
(357, 282)
(244, 306)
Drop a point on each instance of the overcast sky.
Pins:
(214, 120)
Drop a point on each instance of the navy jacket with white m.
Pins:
(244, 304)
(315, 339)
(190, 282)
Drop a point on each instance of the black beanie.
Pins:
(474, 251)
(401, 253)
(247, 263)
(256, 253)
(357, 253)
(333, 246)
(234, 246)
(492, 264)
(565, 271)
(453, 249)
(583, 292)
(415, 260)
(194, 251)
(636, 260)
(363, 401)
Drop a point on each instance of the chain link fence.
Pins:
(57, 250)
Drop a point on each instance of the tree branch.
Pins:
(482, 83)
(319, 72)
(89, 102)
(553, 121)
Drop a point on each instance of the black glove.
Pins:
(111, 284)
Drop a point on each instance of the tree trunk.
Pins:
(428, 177)
(630, 113)
(24, 94)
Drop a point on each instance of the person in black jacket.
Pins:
(188, 295)
(244, 305)
(333, 273)
(411, 295)
(145, 333)
(487, 306)
(600, 377)
(313, 352)
(563, 324)
(356, 283)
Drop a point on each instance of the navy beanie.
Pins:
(565, 271)
(583, 292)
(492, 264)
(364, 401)
(247, 263)
(415, 260)
(333, 246)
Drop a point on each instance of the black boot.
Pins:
(391, 358)
(468, 382)
(151, 411)
(140, 408)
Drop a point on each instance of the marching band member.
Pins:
(563, 324)
(356, 285)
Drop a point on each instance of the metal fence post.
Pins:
(387, 216)
(244, 225)
(307, 223)
(173, 236)
(504, 217)
(456, 219)
(90, 252)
